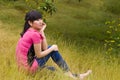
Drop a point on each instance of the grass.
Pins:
(84, 57)
(79, 22)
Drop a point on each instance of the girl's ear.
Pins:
(30, 23)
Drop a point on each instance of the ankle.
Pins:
(70, 75)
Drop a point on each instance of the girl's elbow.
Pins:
(38, 55)
(44, 48)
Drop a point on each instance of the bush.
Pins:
(112, 43)
(44, 6)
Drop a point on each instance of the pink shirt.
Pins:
(30, 37)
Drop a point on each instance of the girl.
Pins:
(32, 50)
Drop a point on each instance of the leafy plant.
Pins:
(44, 6)
(112, 43)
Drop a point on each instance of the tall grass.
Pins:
(112, 6)
(79, 59)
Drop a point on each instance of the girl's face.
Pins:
(37, 24)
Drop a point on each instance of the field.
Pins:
(77, 28)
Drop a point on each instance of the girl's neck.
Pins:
(34, 29)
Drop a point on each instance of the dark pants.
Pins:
(56, 57)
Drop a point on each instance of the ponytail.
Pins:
(26, 27)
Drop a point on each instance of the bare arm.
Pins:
(44, 44)
(39, 53)
(41, 49)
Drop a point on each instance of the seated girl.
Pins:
(32, 51)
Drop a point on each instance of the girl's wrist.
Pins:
(41, 31)
(43, 34)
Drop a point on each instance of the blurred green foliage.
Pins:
(42, 5)
(46, 7)
(112, 43)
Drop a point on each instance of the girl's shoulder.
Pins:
(33, 32)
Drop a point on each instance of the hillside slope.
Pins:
(11, 22)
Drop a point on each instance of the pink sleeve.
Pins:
(36, 38)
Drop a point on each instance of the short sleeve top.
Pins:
(30, 37)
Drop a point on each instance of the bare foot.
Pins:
(82, 76)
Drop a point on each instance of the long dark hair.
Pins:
(30, 16)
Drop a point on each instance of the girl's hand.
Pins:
(55, 47)
(44, 26)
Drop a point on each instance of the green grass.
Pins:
(81, 24)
